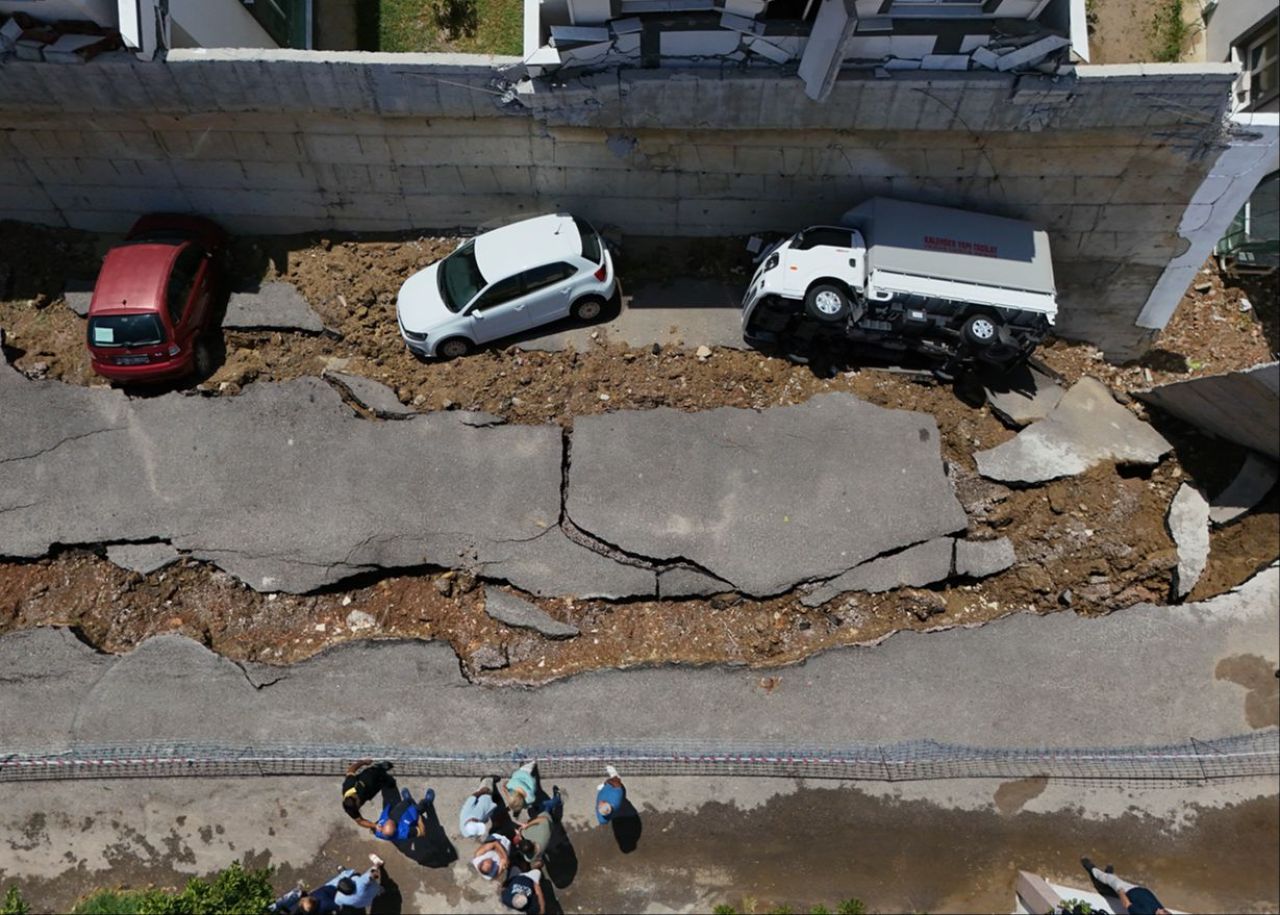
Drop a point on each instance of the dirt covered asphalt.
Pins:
(1093, 543)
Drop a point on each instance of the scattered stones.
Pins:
(1256, 478)
(490, 657)
(143, 558)
(703, 353)
(443, 584)
(1086, 428)
(359, 621)
(980, 558)
(520, 614)
(271, 306)
(1189, 526)
(922, 604)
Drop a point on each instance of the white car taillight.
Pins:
(602, 273)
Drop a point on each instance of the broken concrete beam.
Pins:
(1032, 53)
(747, 8)
(271, 306)
(375, 397)
(981, 558)
(1086, 428)
(78, 294)
(741, 24)
(768, 50)
(1188, 523)
(1023, 396)
(984, 57)
(520, 614)
(563, 36)
(143, 558)
(917, 566)
(945, 62)
(1249, 487)
(1241, 407)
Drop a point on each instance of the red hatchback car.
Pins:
(155, 296)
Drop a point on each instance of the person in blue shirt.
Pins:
(1137, 900)
(404, 819)
(611, 796)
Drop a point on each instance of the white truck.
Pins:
(958, 287)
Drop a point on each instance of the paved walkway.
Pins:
(935, 847)
(1145, 675)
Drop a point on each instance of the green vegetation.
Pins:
(234, 891)
(1075, 907)
(466, 26)
(1169, 32)
(847, 907)
(13, 903)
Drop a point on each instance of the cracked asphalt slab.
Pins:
(1014, 682)
(287, 488)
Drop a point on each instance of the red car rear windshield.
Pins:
(125, 330)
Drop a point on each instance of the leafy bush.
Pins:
(1169, 33)
(233, 891)
(13, 903)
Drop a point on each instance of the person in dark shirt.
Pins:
(523, 892)
(1137, 900)
(323, 900)
(365, 780)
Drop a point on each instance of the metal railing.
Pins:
(1189, 762)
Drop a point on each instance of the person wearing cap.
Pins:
(611, 795)
(1137, 900)
(476, 816)
(364, 781)
(492, 857)
(523, 892)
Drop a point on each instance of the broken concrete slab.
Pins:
(520, 614)
(374, 396)
(684, 581)
(763, 500)
(1250, 486)
(552, 564)
(78, 294)
(1241, 407)
(1188, 523)
(917, 566)
(1086, 428)
(271, 306)
(1023, 396)
(981, 558)
(143, 558)
(273, 485)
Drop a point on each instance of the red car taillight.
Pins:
(602, 273)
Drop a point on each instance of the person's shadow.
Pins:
(561, 863)
(432, 849)
(390, 901)
(627, 827)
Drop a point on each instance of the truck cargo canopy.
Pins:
(940, 243)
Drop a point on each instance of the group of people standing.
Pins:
(510, 853)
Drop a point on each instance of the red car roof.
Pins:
(133, 278)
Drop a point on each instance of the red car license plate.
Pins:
(132, 360)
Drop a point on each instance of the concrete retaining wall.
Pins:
(1241, 407)
(287, 141)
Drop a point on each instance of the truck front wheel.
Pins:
(827, 302)
(980, 330)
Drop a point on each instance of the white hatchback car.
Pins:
(505, 282)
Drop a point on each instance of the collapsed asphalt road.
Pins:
(289, 489)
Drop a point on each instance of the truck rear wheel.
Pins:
(827, 302)
(981, 330)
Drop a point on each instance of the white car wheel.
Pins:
(454, 348)
(588, 309)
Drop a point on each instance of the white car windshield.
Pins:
(460, 278)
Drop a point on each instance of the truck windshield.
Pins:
(460, 278)
(125, 330)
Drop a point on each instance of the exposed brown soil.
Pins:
(1095, 543)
